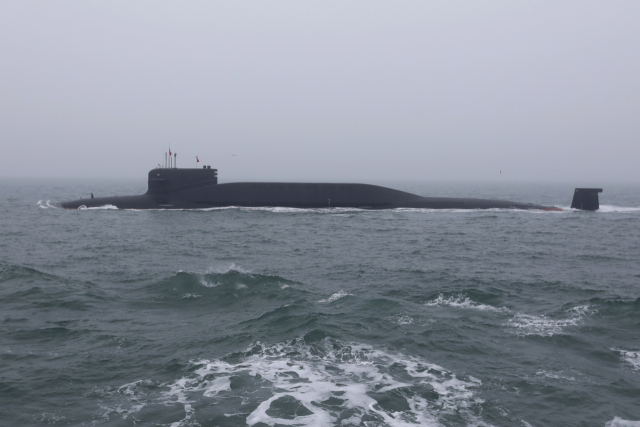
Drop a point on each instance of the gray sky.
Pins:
(323, 90)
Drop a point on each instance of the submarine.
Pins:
(197, 188)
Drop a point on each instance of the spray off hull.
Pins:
(199, 188)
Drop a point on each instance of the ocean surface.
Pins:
(321, 317)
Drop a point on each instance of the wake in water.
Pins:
(566, 209)
(618, 209)
(324, 383)
(46, 205)
(97, 208)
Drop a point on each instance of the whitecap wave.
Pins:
(526, 324)
(630, 357)
(555, 375)
(331, 383)
(224, 269)
(401, 319)
(519, 323)
(191, 296)
(619, 422)
(335, 296)
(462, 301)
(206, 283)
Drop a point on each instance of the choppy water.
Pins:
(233, 317)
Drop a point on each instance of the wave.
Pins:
(401, 319)
(335, 296)
(519, 323)
(632, 358)
(555, 376)
(224, 269)
(16, 271)
(25, 289)
(619, 308)
(460, 300)
(225, 284)
(619, 422)
(526, 324)
(328, 382)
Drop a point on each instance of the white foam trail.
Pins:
(97, 208)
(619, 422)
(188, 296)
(607, 209)
(462, 301)
(335, 296)
(275, 209)
(631, 357)
(329, 384)
(618, 209)
(473, 211)
(45, 205)
(339, 211)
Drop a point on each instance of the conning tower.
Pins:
(168, 180)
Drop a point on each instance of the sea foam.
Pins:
(630, 357)
(326, 383)
(519, 323)
(462, 301)
(526, 324)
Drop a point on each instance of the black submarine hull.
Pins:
(199, 188)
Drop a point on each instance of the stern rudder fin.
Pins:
(586, 199)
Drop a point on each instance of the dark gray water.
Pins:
(229, 317)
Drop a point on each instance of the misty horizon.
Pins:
(323, 91)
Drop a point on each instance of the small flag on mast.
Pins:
(169, 151)
(197, 160)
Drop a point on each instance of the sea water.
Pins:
(319, 317)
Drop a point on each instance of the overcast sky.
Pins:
(323, 90)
